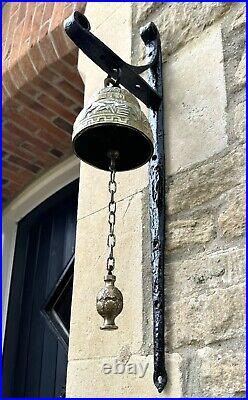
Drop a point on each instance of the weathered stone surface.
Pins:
(240, 75)
(239, 16)
(86, 338)
(195, 116)
(94, 194)
(178, 23)
(239, 128)
(87, 379)
(222, 373)
(232, 219)
(199, 185)
(207, 318)
(188, 232)
(204, 274)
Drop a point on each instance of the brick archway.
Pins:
(42, 91)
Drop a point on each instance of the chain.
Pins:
(111, 219)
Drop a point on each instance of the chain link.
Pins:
(111, 220)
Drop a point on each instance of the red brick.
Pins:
(63, 145)
(80, 6)
(5, 94)
(49, 75)
(9, 86)
(48, 11)
(37, 17)
(10, 42)
(43, 123)
(31, 148)
(42, 157)
(20, 120)
(55, 136)
(13, 148)
(16, 43)
(61, 123)
(33, 105)
(5, 22)
(72, 92)
(22, 11)
(68, 9)
(47, 50)
(68, 73)
(17, 76)
(50, 90)
(23, 135)
(29, 90)
(71, 58)
(59, 41)
(56, 15)
(37, 58)
(26, 29)
(27, 67)
(9, 167)
(56, 107)
(15, 176)
(24, 164)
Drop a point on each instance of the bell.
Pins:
(113, 121)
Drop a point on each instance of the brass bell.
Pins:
(113, 120)
(112, 134)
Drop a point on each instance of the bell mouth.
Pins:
(93, 144)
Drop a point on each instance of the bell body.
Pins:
(109, 303)
(113, 121)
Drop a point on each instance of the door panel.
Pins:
(44, 252)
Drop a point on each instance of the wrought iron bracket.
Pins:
(77, 27)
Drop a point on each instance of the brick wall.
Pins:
(42, 90)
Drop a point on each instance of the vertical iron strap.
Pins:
(150, 36)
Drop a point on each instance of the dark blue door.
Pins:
(38, 323)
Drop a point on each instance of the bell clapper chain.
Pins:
(109, 301)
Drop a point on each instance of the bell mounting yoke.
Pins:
(77, 27)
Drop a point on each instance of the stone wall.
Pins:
(204, 92)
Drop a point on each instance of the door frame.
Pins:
(41, 189)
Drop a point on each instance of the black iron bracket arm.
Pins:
(150, 93)
(77, 28)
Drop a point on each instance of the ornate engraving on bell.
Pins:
(109, 303)
(114, 120)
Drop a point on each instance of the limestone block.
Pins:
(222, 373)
(177, 22)
(86, 338)
(111, 23)
(240, 75)
(99, 13)
(240, 17)
(239, 128)
(188, 232)
(197, 186)
(207, 318)
(205, 273)
(195, 101)
(94, 194)
(87, 378)
(232, 219)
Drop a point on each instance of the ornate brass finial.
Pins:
(109, 303)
